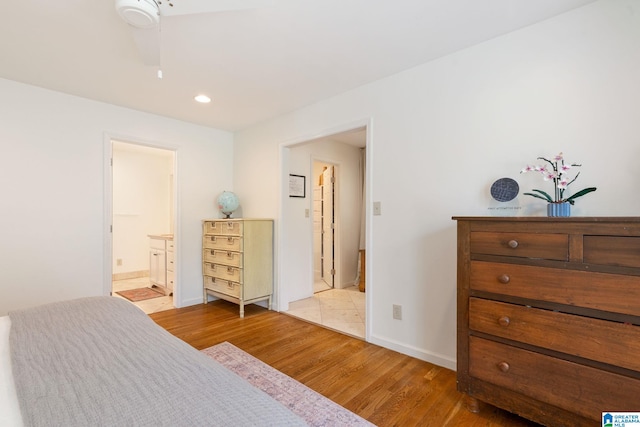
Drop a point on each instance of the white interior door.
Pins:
(328, 226)
(317, 232)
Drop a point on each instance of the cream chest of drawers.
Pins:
(549, 316)
(237, 260)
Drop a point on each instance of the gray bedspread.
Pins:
(102, 362)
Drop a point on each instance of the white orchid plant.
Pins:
(556, 170)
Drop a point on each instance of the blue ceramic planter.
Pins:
(559, 209)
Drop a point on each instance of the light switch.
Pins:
(306, 213)
(377, 208)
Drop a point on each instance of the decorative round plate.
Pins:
(505, 189)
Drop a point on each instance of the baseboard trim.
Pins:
(427, 356)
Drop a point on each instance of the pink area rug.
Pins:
(140, 294)
(313, 407)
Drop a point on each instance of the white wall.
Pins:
(53, 202)
(441, 133)
(142, 180)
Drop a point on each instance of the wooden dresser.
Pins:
(237, 260)
(549, 316)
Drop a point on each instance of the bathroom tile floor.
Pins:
(340, 309)
(149, 306)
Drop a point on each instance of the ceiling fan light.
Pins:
(203, 99)
(139, 13)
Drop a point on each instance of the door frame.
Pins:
(108, 139)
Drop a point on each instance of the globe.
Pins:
(227, 203)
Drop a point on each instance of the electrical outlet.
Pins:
(397, 312)
(306, 213)
(119, 261)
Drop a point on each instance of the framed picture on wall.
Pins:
(297, 186)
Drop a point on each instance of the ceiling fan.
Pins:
(143, 16)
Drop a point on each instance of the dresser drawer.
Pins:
(170, 280)
(223, 286)
(612, 250)
(522, 245)
(600, 291)
(170, 261)
(223, 257)
(223, 227)
(580, 389)
(594, 339)
(226, 243)
(223, 272)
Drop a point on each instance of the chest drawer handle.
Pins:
(513, 244)
(503, 366)
(504, 279)
(504, 321)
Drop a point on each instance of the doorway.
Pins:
(143, 259)
(337, 182)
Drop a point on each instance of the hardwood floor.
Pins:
(383, 386)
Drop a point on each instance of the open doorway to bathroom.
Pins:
(143, 256)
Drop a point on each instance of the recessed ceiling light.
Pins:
(204, 99)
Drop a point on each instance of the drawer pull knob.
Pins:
(504, 321)
(230, 270)
(504, 278)
(513, 244)
(230, 240)
(229, 254)
(213, 253)
(503, 366)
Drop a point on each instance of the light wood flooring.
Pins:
(385, 387)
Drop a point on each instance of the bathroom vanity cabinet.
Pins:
(161, 262)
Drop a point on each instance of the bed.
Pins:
(101, 361)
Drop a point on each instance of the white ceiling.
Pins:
(255, 63)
